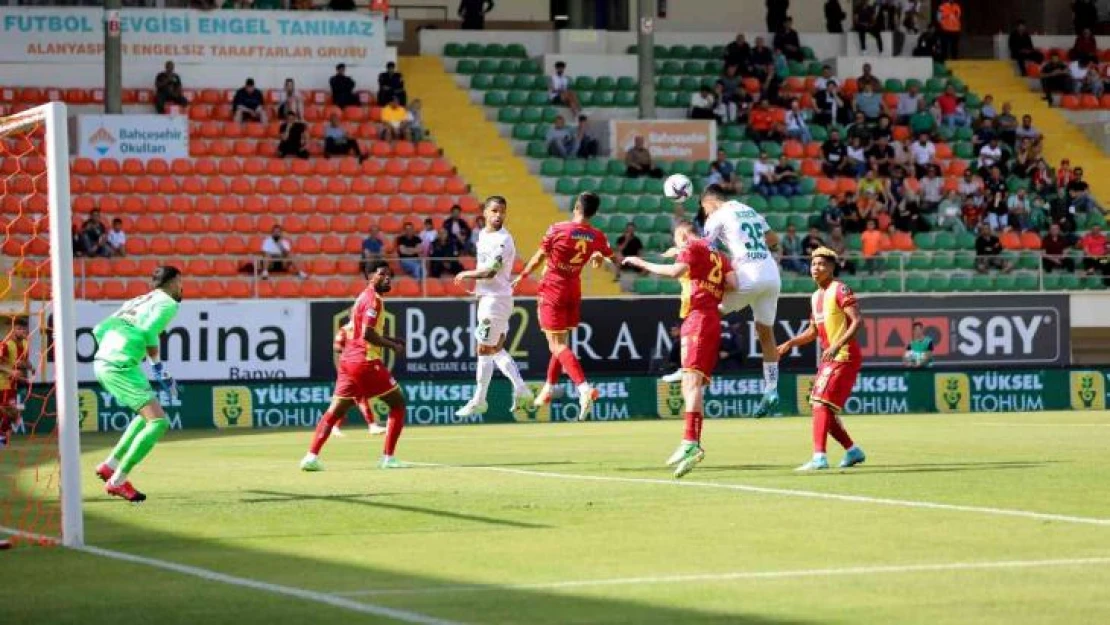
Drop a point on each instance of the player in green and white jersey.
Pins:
(919, 351)
(124, 340)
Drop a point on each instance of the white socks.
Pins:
(584, 388)
(118, 479)
(485, 374)
(112, 463)
(770, 377)
(508, 367)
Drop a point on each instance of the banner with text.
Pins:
(76, 35)
(666, 139)
(133, 136)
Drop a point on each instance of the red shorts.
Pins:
(559, 310)
(701, 342)
(834, 383)
(363, 380)
(8, 398)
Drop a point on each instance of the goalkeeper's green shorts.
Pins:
(128, 384)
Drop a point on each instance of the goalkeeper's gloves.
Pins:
(163, 379)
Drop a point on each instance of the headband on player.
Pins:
(824, 252)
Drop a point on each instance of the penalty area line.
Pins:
(789, 492)
(332, 600)
(738, 575)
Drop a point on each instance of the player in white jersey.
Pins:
(750, 242)
(493, 286)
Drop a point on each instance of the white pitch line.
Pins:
(1043, 425)
(403, 616)
(905, 503)
(739, 575)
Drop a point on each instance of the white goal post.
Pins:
(53, 117)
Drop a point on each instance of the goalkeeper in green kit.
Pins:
(124, 340)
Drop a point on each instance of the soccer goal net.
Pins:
(40, 487)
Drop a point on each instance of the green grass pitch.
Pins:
(580, 523)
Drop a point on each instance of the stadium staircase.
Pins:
(486, 159)
(999, 79)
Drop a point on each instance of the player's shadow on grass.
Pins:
(948, 467)
(363, 499)
(704, 468)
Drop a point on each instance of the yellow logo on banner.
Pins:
(805, 389)
(88, 410)
(232, 407)
(669, 399)
(953, 392)
(1088, 390)
(528, 413)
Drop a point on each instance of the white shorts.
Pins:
(493, 319)
(760, 285)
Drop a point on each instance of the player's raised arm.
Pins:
(675, 270)
(530, 266)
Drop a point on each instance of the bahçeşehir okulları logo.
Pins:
(102, 140)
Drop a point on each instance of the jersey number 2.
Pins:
(580, 248)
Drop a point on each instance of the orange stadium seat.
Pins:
(243, 224)
(362, 223)
(324, 167)
(341, 223)
(335, 288)
(108, 167)
(220, 147)
(241, 186)
(349, 167)
(441, 167)
(293, 224)
(185, 246)
(373, 204)
(119, 186)
(197, 268)
(224, 267)
(181, 167)
(210, 245)
(404, 286)
(254, 166)
(133, 205)
(205, 205)
(326, 205)
(112, 289)
(1010, 240)
(289, 186)
(347, 267)
(422, 204)
(173, 224)
(409, 186)
(238, 289)
(196, 224)
(265, 186)
(1030, 240)
(331, 244)
(235, 244)
(1069, 101)
(372, 167)
(434, 288)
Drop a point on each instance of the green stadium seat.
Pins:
(626, 99)
(892, 283)
(982, 282)
(1092, 283)
(1070, 282)
(627, 83)
(646, 286)
(509, 66)
(925, 241)
(749, 149)
(944, 261)
(604, 98)
(893, 85)
(504, 81)
(516, 50)
(776, 221)
(496, 50)
(772, 148)
(801, 203)
(700, 52)
(566, 186)
(686, 168)
(584, 83)
(644, 223)
(487, 66)
(819, 133)
(667, 83)
(679, 52)
(778, 204)
(796, 68)
(552, 167)
(632, 185)
(661, 224)
(693, 67)
(670, 287)
(808, 53)
(605, 83)
(917, 282)
(1027, 281)
(871, 284)
(960, 282)
(509, 115)
(758, 202)
(801, 222)
(482, 82)
(674, 68)
(1052, 282)
(965, 241)
(814, 68)
(494, 98)
(453, 50)
(513, 98)
(608, 204)
(939, 283)
(626, 204)
(964, 261)
(574, 167)
(919, 261)
(648, 204)
(615, 167)
(529, 115)
(1005, 282)
(523, 81)
(537, 98)
(820, 202)
(531, 66)
(936, 84)
(701, 169)
(855, 242)
(608, 223)
(466, 66)
(596, 167)
(537, 149)
(1029, 261)
(610, 186)
(913, 82)
(667, 99)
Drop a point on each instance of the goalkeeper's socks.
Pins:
(393, 430)
(572, 367)
(144, 443)
(770, 377)
(124, 445)
(323, 431)
(484, 375)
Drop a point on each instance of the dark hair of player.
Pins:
(714, 191)
(164, 275)
(495, 199)
(589, 202)
(20, 322)
(378, 264)
(918, 324)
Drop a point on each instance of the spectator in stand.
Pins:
(277, 255)
(834, 16)
(1085, 46)
(952, 113)
(588, 146)
(950, 23)
(839, 244)
(822, 82)
(796, 126)
(1026, 159)
(1038, 214)
(910, 102)
(871, 243)
(996, 195)
(831, 107)
(832, 216)
(444, 255)
(247, 104)
(1055, 77)
(811, 242)
(738, 54)
(337, 142)
(857, 158)
(870, 207)
(290, 101)
(372, 248)
(906, 214)
(761, 121)
(93, 238)
(867, 78)
(983, 135)
(1077, 74)
(860, 129)
(852, 220)
(415, 120)
(473, 13)
(972, 213)
(1079, 196)
(560, 139)
(1026, 130)
(1018, 208)
(949, 213)
(1043, 179)
(988, 251)
(870, 103)
(409, 250)
(638, 161)
(776, 14)
(1007, 124)
(865, 21)
(1054, 251)
(428, 235)
(559, 91)
(341, 5)
(923, 121)
(787, 178)
(990, 156)
(391, 84)
(725, 173)
(457, 227)
(1064, 174)
(703, 103)
(342, 88)
(1095, 254)
(903, 156)
(791, 246)
(294, 137)
(787, 41)
(1022, 50)
(987, 110)
(763, 176)
(730, 86)
(1092, 83)
(475, 232)
(167, 88)
(395, 122)
(971, 186)
(116, 239)
(932, 189)
(928, 44)
(924, 154)
(835, 156)
(628, 244)
(871, 183)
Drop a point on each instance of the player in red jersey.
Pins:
(567, 247)
(835, 319)
(14, 368)
(362, 374)
(342, 337)
(706, 275)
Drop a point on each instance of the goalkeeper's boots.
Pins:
(312, 464)
(389, 462)
(105, 472)
(818, 463)
(768, 405)
(853, 457)
(376, 429)
(125, 491)
(522, 398)
(586, 399)
(694, 455)
(472, 407)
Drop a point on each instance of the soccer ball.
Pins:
(678, 187)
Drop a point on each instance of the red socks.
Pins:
(571, 366)
(826, 422)
(367, 413)
(393, 429)
(323, 431)
(554, 370)
(693, 426)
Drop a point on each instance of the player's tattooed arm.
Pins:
(677, 270)
(805, 337)
(530, 266)
(394, 343)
